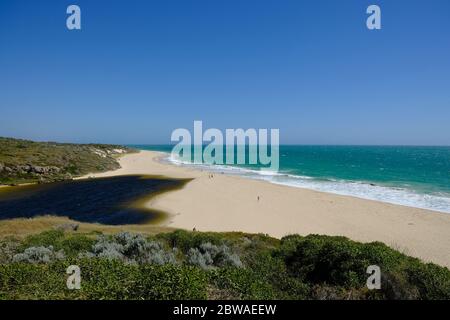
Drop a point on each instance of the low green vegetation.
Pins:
(23, 161)
(197, 265)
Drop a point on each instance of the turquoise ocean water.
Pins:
(405, 175)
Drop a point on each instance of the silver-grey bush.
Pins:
(39, 255)
(209, 256)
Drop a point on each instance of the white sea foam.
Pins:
(400, 196)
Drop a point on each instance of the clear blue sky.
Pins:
(139, 69)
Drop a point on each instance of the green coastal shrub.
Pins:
(244, 283)
(74, 244)
(338, 262)
(46, 238)
(102, 279)
(34, 281)
(113, 279)
(195, 265)
(431, 281)
(335, 260)
(185, 240)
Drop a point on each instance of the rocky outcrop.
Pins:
(41, 174)
(29, 169)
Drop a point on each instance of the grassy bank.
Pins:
(21, 228)
(197, 265)
(23, 161)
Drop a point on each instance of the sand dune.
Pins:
(229, 203)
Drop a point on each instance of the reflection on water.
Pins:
(113, 200)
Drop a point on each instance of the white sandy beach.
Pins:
(229, 203)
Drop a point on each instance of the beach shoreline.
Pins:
(224, 203)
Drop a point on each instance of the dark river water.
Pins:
(114, 200)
